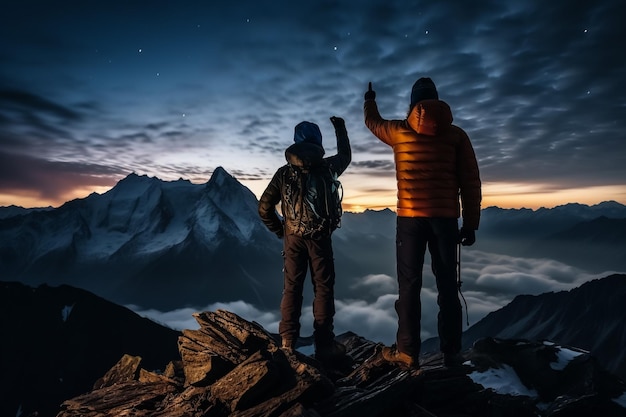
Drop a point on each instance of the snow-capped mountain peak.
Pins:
(142, 221)
(236, 202)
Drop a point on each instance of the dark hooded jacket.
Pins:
(303, 156)
(435, 162)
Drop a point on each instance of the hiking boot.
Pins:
(451, 360)
(393, 355)
(288, 344)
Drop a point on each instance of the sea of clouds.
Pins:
(490, 281)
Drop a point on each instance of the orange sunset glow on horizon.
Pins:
(507, 196)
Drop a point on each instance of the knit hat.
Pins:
(423, 89)
(307, 132)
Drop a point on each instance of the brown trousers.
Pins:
(299, 255)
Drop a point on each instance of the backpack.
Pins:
(312, 201)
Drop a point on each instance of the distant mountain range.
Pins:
(149, 242)
(170, 244)
(589, 237)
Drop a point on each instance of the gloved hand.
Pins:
(338, 122)
(370, 94)
(467, 237)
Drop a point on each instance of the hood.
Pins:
(304, 155)
(307, 132)
(430, 117)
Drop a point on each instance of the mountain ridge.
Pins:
(86, 335)
(590, 316)
(114, 240)
(117, 243)
(58, 340)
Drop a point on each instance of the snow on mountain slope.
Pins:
(237, 203)
(574, 318)
(140, 214)
(147, 216)
(121, 241)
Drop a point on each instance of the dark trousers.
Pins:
(440, 235)
(300, 255)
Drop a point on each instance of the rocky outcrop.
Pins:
(232, 367)
(590, 317)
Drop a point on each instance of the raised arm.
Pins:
(380, 127)
(340, 161)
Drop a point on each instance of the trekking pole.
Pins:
(459, 282)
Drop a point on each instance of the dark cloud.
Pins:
(25, 102)
(538, 87)
(30, 123)
(140, 137)
(25, 175)
(382, 165)
(159, 126)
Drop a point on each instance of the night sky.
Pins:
(92, 91)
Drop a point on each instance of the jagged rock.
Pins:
(245, 385)
(297, 382)
(127, 369)
(254, 376)
(257, 378)
(143, 398)
(222, 342)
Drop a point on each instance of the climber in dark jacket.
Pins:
(301, 251)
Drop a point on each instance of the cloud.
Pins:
(375, 321)
(502, 280)
(490, 281)
(27, 104)
(379, 283)
(25, 175)
(538, 88)
(183, 318)
(375, 166)
(508, 276)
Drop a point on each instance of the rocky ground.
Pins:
(232, 367)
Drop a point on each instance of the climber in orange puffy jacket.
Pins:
(435, 166)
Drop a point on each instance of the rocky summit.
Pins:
(233, 367)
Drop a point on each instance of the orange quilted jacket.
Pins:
(435, 162)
